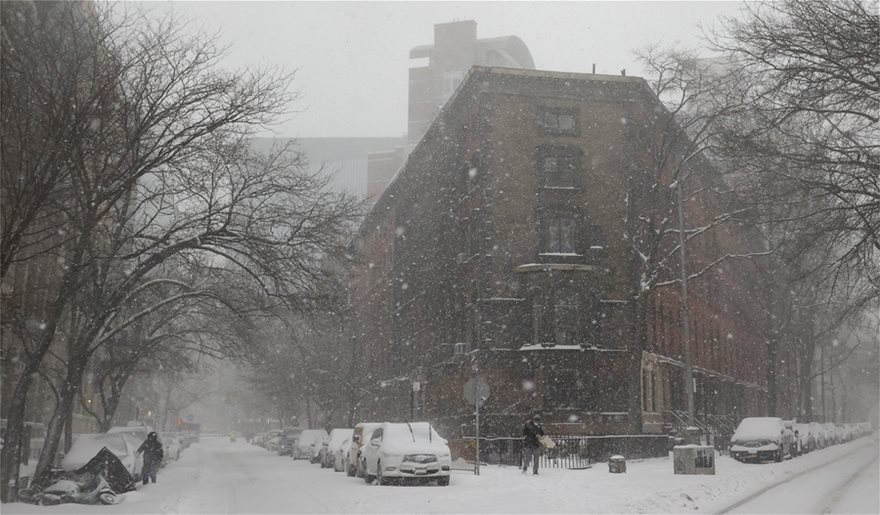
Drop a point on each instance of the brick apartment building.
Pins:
(498, 249)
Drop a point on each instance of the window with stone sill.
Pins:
(558, 166)
(559, 121)
(560, 232)
(565, 316)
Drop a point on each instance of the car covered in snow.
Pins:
(171, 444)
(760, 439)
(122, 445)
(831, 435)
(287, 442)
(818, 433)
(804, 438)
(411, 450)
(309, 444)
(331, 445)
(140, 432)
(340, 454)
(353, 459)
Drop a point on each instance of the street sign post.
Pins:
(476, 391)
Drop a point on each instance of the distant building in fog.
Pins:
(455, 49)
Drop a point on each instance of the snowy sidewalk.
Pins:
(217, 476)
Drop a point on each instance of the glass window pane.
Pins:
(566, 236)
(553, 236)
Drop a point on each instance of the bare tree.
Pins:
(809, 139)
(160, 171)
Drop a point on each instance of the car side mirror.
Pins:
(375, 442)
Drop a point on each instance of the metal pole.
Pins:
(477, 404)
(685, 327)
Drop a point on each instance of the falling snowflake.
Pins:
(528, 385)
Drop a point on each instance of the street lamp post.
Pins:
(685, 312)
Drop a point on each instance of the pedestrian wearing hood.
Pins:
(532, 431)
(152, 449)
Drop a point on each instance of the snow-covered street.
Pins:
(218, 476)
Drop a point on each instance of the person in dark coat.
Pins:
(153, 454)
(532, 430)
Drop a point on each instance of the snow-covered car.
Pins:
(170, 446)
(123, 445)
(361, 434)
(273, 443)
(289, 439)
(340, 454)
(831, 436)
(409, 450)
(308, 446)
(139, 432)
(804, 438)
(759, 439)
(331, 445)
(818, 433)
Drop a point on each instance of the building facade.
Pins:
(498, 251)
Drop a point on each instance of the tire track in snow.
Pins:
(791, 476)
(843, 489)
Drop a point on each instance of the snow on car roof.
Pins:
(337, 436)
(758, 427)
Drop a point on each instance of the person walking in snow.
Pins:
(532, 431)
(153, 454)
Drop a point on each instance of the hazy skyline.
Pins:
(352, 58)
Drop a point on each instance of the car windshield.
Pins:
(421, 432)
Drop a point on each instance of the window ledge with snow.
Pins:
(549, 267)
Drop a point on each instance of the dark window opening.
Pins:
(559, 121)
(558, 166)
(559, 235)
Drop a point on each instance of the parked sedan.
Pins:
(411, 451)
(806, 440)
(353, 458)
(309, 445)
(761, 438)
(340, 455)
(331, 445)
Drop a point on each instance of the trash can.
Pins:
(617, 464)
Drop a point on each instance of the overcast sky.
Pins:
(352, 57)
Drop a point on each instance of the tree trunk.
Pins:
(10, 456)
(772, 378)
(63, 412)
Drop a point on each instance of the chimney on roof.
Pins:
(594, 68)
(623, 72)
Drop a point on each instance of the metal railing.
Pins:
(571, 452)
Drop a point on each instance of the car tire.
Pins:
(443, 481)
(107, 498)
(368, 478)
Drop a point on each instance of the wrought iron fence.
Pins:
(571, 452)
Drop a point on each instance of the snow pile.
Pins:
(218, 476)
